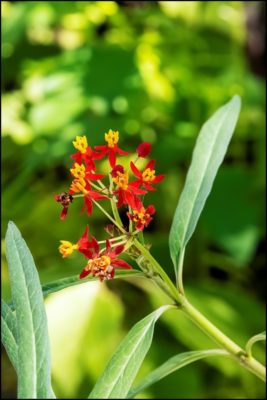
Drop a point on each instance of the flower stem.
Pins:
(164, 280)
(224, 341)
(113, 204)
(100, 189)
(109, 216)
(180, 272)
(112, 239)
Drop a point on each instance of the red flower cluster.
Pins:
(101, 263)
(89, 184)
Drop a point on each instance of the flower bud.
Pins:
(143, 150)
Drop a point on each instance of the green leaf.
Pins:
(261, 336)
(173, 364)
(208, 155)
(9, 333)
(33, 365)
(73, 280)
(121, 370)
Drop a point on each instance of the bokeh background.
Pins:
(155, 71)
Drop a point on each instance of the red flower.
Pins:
(143, 150)
(80, 185)
(85, 153)
(126, 192)
(65, 199)
(147, 177)
(111, 148)
(84, 244)
(103, 263)
(142, 216)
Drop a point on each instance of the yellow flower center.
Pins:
(78, 185)
(80, 144)
(148, 175)
(99, 264)
(66, 248)
(140, 216)
(112, 138)
(121, 180)
(78, 171)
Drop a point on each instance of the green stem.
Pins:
(252, 340)
(164, 282)
(224, 341)
(100, 189)
(109, 216)
(114, 205)
(169, 287)
(130, 221)
(112, 239)
(180, 272)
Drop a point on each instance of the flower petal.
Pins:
(95, 245)
(149, 187)
(84, 273)
(88, 205)
(121, 152)
(151, 209)
(151, 164)
(158, 178)
(77, 157)
(121, 264)
(135, 170)
(118, 249)
(108, 247)
(64, 213)
(112, 158)
(94, 177)
(129, 198)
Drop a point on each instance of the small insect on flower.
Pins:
(65, 199)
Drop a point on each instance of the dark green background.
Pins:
(155, 71)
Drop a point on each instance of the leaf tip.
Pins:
(12, 230)
(237, 99)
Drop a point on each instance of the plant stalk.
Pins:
(224, 341)
(170, 289)
(236, 352)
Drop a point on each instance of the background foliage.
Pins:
(154, 71)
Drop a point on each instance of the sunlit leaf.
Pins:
(33, 365)
(173, 364)
(74, 280)
(121, 370)
(208, 155)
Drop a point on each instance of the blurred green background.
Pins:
(155, 71)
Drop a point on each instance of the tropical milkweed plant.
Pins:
(24, 322)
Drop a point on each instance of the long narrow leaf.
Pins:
(73, 280)
(9, 333)
(173, 364)
(208, 155)
(121, 370)
(33, 365)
